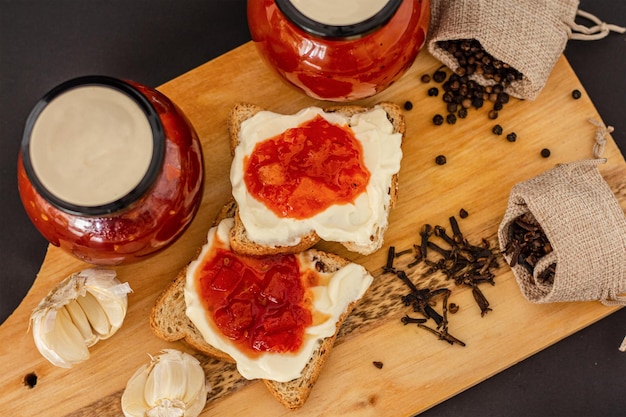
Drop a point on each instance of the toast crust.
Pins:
(239, 239)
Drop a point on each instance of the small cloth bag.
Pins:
(528, 35)
(586, 228)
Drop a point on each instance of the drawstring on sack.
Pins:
(601, 132)
(599, 31)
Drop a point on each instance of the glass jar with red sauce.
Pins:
(109, 170)
(339, 50)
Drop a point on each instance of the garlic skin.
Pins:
(172, 385)
(84, 308)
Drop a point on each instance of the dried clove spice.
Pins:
(528, 244)
(466, 264)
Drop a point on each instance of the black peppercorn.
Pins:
(439, 76)
(451, 119)
(462, 113)
(511, 137)
(576, 94)
(477, 102)
(433, 92)
(545, 152)
(438, 119)
(497, 130)
(425, 78)
(408, 105)
(497, 106)
(451, 107)
(440, 160)
(493, 114)
(463, 213)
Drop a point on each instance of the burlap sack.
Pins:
(529, 35)
(586, 228)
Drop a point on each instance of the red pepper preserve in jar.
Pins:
(339, 50)
(109, 170)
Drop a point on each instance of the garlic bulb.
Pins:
(87, 306)
(172, 385)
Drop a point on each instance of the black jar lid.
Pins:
(156, 160)
(324, 30)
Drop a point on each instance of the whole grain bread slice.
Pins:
(169, 321)
(240, 240)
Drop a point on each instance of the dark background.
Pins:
(43, 43)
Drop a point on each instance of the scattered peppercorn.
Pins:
(440, 160)
(493, 114)
(439, 75)
(433, 92)
(545, 152)
(408, 105)
(576, 94)
(463, 213)
(425, 78)
(497, 130)
(378, 364)
(462, 113)
(438, 119)
(453, 308)
(511, 137)
(451, 119)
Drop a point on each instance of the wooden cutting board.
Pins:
(418, 371)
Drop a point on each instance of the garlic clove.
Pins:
(80, 320)
(112, 304)
(95, 313)
(173, 385)
(62, 344)
(133, 401)
(71, 318)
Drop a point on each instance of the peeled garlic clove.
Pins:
(83, 308)
(172, 385)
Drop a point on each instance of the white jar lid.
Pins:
(338, 18)
(93, 145)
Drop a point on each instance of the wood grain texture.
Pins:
(419, 371)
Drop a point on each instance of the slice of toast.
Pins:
(240, 240)
(169, 321)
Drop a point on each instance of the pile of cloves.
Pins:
(527, 244)
(466, 264)
(462, 93)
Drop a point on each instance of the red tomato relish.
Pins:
(262, 304)
(304, 170)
